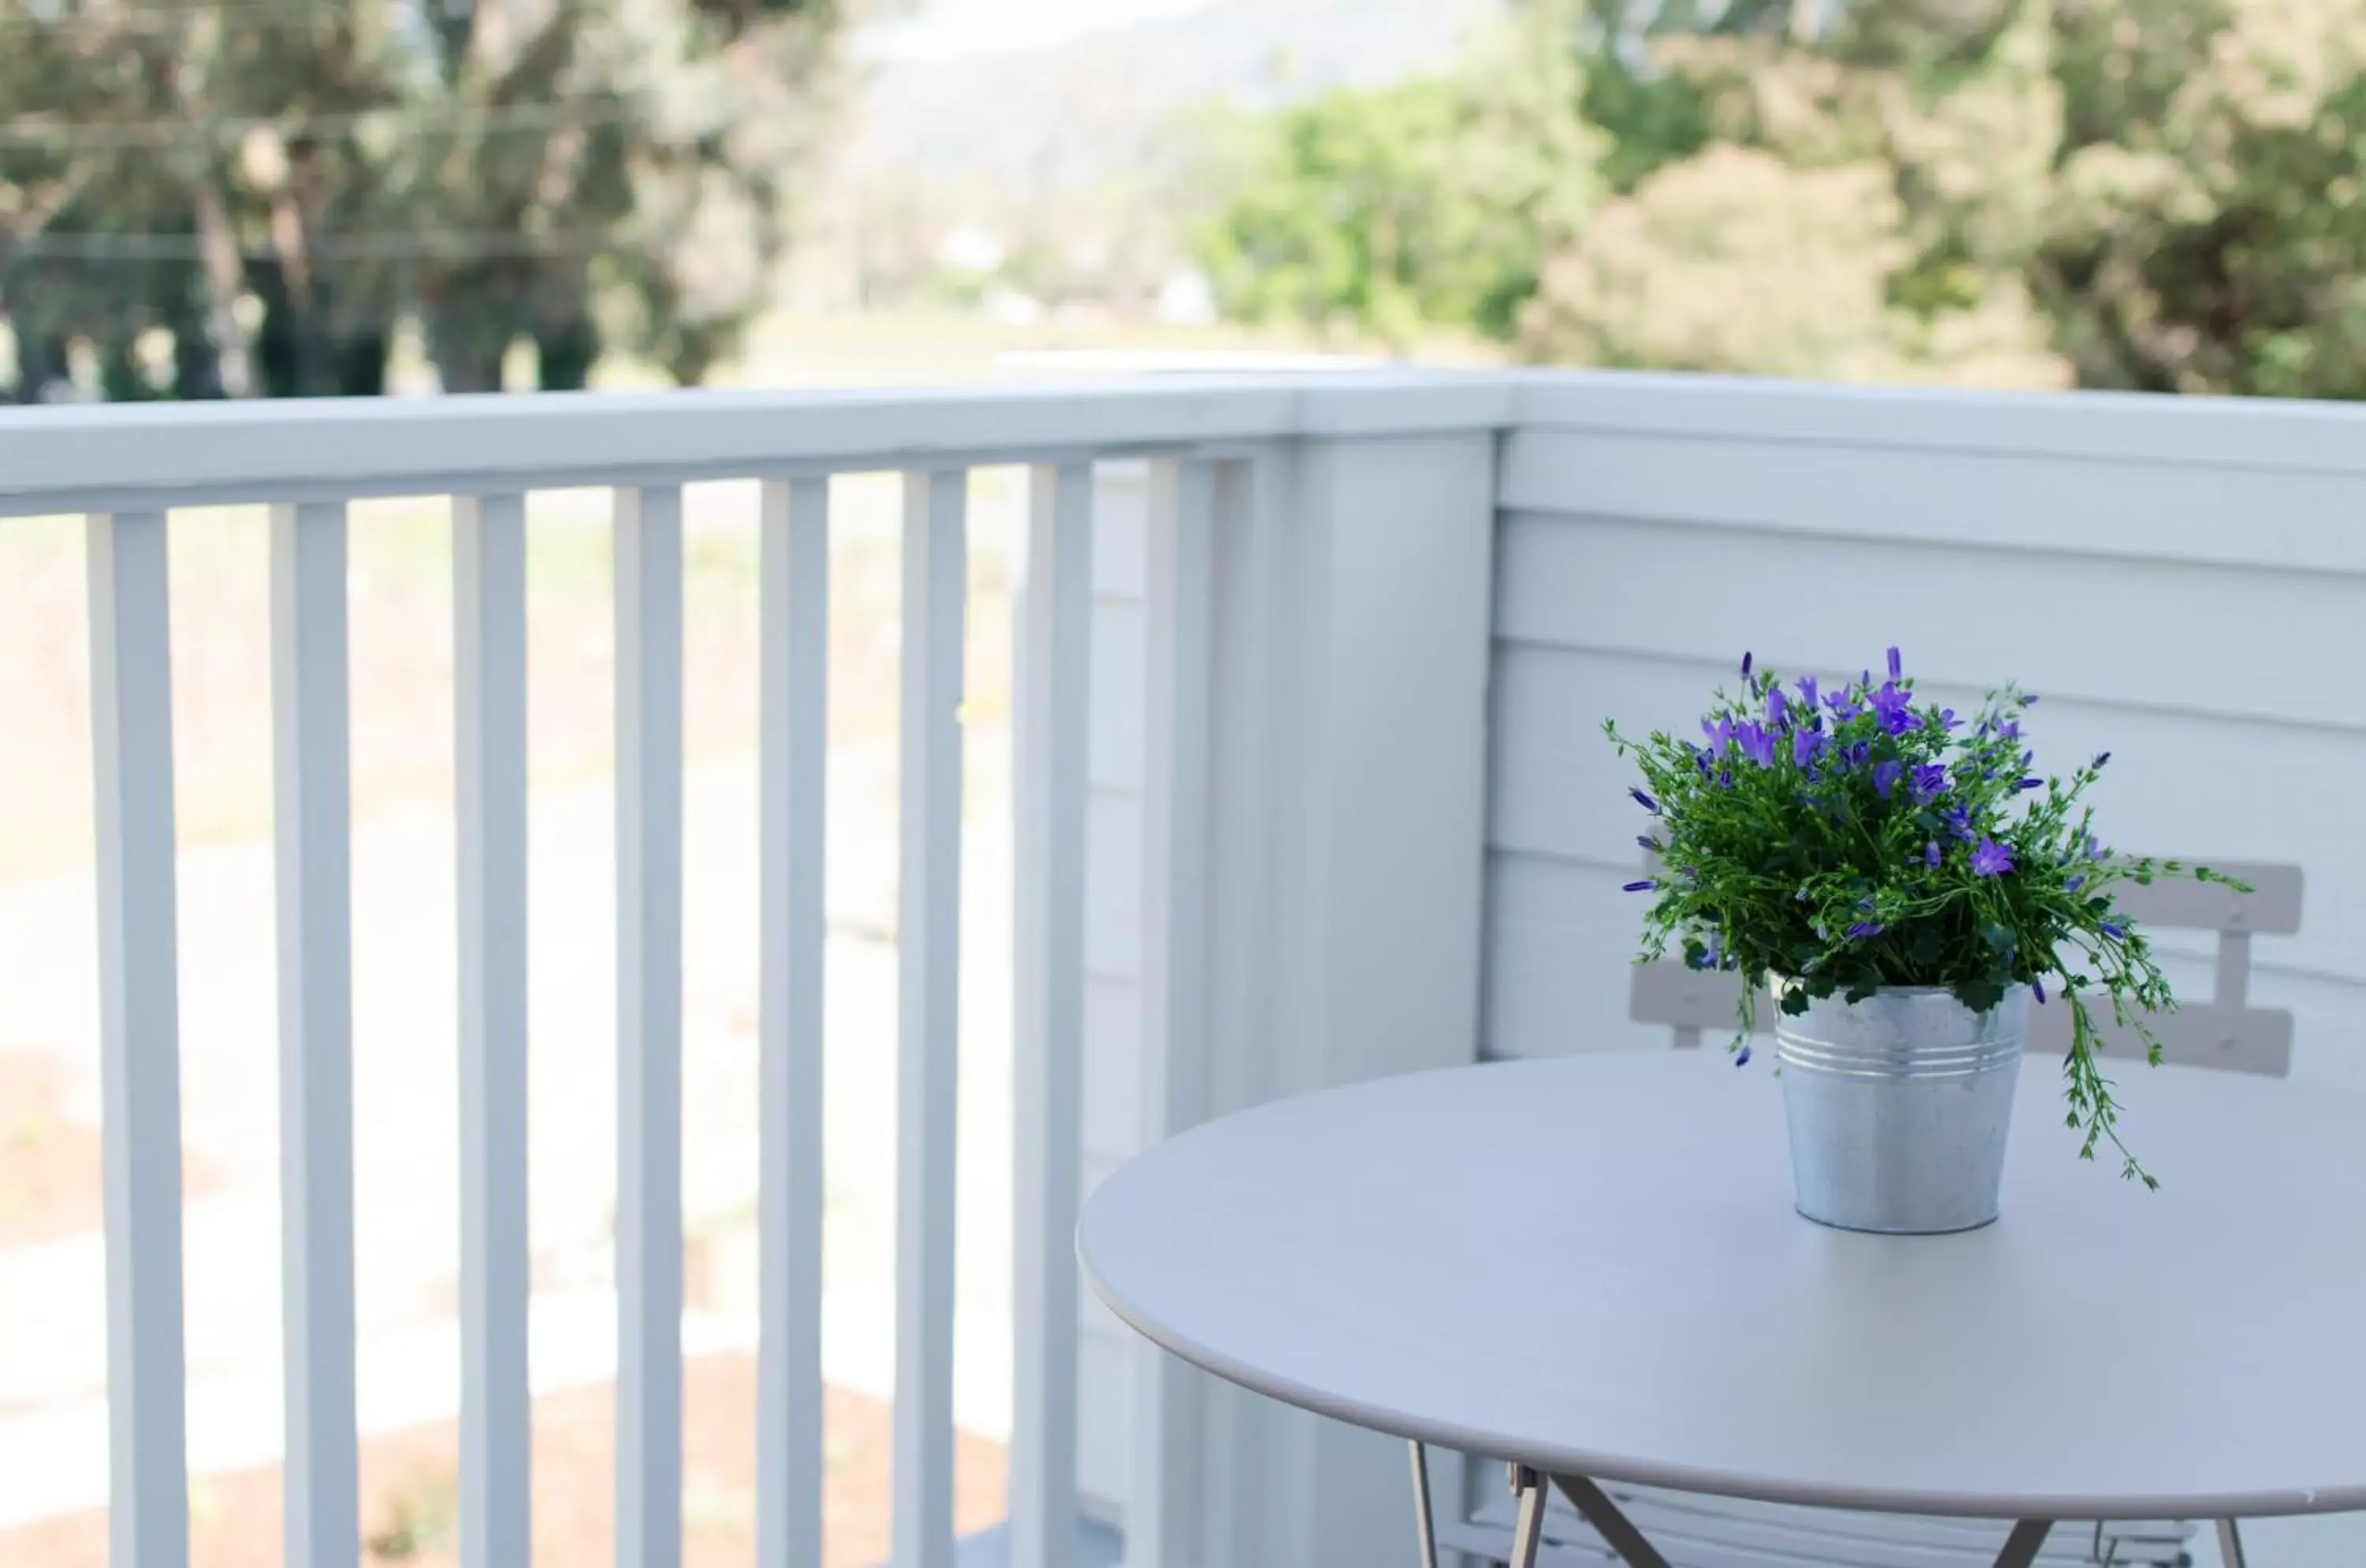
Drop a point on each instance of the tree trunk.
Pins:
(566, 355)
(468, 356)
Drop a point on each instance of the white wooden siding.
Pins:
(2184, 584)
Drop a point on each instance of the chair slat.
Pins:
(312, 852)
(1666, 991)
(2241, 1040)
(929, 967)
(2177, 904)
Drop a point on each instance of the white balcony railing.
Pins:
(1222, 458)
(1384, 615)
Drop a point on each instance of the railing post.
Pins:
(1318, 919)
(927, 937)
(648, 1027)
(1051, 696)
(490, 796)
(139, 1017)
(313, 830)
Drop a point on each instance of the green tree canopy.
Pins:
(280, 185)
(2152, 193)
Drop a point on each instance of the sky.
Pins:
(945, 29)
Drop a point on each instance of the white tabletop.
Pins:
(1592, 1267)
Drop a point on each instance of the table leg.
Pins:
(1528, 1533)
(2230, 1544)
(1611, 1522)
(1423, 1520)
(1618, 1532)
(2020, 1546)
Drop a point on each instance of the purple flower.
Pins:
(1808, 691)
(1805, 744)
(2074, 884)
(1842, 704)
(1896, 665)
(2010, 730)
(1930, 852)
(1645, 801)
(2115, 931)
(1947, 720)
(1725, 778)
(1720, 734)
(1742, 1058)
(2028, 699)
(2039, 987)
(1745, 664)
(1774, 705)
(2094, 849)
(2102, 758)
(1864, 930)
(1651, 844)
(2030, 784)
(1892, 704)
(1930, 783)
(1885, 778)
(1990, 858)
(1959, 822)
(1757, 744)
(1858, 753)
(1645, 886)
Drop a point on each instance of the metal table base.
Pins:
(1532, 1487)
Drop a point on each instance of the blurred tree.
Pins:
(1433, 201)
(2208, 233)
(279, 185)
(2166, 195)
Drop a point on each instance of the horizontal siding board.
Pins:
(2044, 503)
(2126, 428)
(2150, 634)
(2177, 786)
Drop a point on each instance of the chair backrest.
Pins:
(2224, 1031)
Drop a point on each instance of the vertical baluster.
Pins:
(313, 833)
(489, 698)
(1050, 754)
(929, 963)
(1167, 1480)
(795, 577)
(131, 713)
(649, 1026)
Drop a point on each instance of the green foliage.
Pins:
(1432, 200)
(282, 188)
(2162, 194)
(1834, 843)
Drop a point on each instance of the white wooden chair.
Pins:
(2224, 1031)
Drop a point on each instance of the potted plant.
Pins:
(1908, 886)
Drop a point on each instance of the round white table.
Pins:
(1590, 1268)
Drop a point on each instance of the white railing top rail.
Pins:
(2294, 433)
(105, 457)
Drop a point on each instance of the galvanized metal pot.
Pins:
(1899, 1106)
